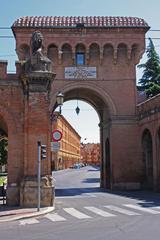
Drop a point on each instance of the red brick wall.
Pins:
(12, 112)
(113, 94)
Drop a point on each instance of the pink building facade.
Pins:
(90, 154)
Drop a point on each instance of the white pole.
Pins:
(39, 177)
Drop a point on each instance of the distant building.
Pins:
(69, 145)
(90, 153)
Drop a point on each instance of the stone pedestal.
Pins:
(12, 195)
(127, 186)
(28, 192)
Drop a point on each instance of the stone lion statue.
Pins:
(36, 41)
(37, 62)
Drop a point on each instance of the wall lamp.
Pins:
(59, 103)
(60, 100)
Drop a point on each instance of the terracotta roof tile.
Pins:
(99, 21)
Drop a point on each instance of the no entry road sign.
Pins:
(56, 135)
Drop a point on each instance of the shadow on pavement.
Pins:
(144, 198)
(4, 207)
(91, 180)
(75, 191)
(95, 168)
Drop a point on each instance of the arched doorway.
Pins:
(147, 159)
(108, 164)
(3, 157)
(3, 145)
(104, 108)
(158, 146)
(158, 158)
(3, 150)
(85, 122)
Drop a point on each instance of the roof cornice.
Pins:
(79, 22)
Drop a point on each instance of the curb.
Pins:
(29, 215)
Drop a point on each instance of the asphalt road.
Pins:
(84, 211)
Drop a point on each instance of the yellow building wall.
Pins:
(69, 145)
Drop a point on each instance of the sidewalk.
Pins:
(8, 214)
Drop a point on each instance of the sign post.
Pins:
(39, 177)
(55, 146)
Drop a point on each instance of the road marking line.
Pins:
(28, 221)
(83, 195)
(100, 212)
(148, 210)
(121, 210)
(78, 196)
(88, 195)
(155, 207)
(55, 217)
(75, 213)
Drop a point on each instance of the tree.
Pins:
(3, 151)
(150, 80)
(3, 147)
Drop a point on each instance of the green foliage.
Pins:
(150, 80)
(3, 151)
(3, 180)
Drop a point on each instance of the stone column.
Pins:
(115, 55)
(101, 55)
(102, 154)
(36, 81)
(73, 55)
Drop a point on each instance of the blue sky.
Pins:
(11, 10)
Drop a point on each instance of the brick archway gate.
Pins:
(120, 130)
(96, 56)
(104, 106)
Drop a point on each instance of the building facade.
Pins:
(69, 153)
(94, 59)
(90, 153)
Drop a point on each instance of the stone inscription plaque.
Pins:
(80, 73)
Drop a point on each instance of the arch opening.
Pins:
(3, 152)
(158, 158)
(24, 52)
(94, 53)
(103, 113)
(80, 54)
(67, 54)
(147, 159)
(108, 163)
(108, 54)
(52, 53)
(122, 53)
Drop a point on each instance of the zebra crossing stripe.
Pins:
(121, 210)
(148, 210)
(75, 213)
(55, 217)
(156, 207)
(28, 221)
(100, 212)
